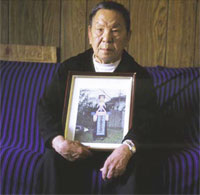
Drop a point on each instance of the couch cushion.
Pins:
(22, 84)
(182, 171)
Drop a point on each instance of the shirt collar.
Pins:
(99, 67)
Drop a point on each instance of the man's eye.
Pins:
(115, 30)
(99, 29)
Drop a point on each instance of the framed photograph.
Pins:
(98, 109)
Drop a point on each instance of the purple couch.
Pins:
(23, 83)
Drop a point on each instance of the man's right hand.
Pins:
(70, 150)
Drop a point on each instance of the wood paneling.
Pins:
(148, 40)
(197, 41)
(164, 32)
(73, 30)
(25, 24)
(90, 5)
(28, 53)
(181, 33)
(4, 16)
(51, 22)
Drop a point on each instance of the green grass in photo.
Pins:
(113, 136)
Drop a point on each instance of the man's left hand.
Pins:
(115, 164)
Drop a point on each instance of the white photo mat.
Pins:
(79, 82)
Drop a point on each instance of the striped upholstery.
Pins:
(21, 145)
(178, 89)
(22, 84)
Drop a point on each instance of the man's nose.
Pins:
(107, 36)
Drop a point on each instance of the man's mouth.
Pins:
(106, 49)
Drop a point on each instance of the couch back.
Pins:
(178, 91)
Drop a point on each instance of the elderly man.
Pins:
(67, 166)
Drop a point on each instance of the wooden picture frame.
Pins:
(98, 108)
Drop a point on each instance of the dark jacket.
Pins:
(51, 105)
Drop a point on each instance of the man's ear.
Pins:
(90, 34)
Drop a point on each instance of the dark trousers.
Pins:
(59, 176)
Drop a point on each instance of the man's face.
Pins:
(108, 35)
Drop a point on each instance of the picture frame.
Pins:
(98, 108)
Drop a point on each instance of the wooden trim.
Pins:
(28, 53)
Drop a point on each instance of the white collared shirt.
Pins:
(105, 67)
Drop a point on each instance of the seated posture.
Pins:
(67, 166)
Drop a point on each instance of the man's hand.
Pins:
(115, 164)
(70, 150)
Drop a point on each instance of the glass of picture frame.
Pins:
(98, 108)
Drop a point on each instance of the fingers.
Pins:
(75, 155)
(111, 172)
(104, 171)
(71, 150)
(68, 157)
(83, 151)
(80, 151)
(116, 163)
(109, 169)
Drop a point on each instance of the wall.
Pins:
(164, 32)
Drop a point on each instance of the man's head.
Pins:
(109, 31)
